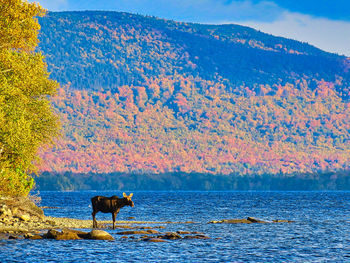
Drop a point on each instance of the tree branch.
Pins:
(6, 70)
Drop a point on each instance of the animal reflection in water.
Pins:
(109, 205)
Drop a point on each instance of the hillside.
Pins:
(142, 94)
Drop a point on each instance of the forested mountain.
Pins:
(143, 94)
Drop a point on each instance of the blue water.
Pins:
(320, 233)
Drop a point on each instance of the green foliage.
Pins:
(15, 182)
(26, 118)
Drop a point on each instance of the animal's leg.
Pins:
(114, 215)
(94, 222)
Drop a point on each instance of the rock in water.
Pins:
(134, 232)
(32, 236)
(152, 231)
(249, 220)
(197, 237)
(183, 232)
(231, 221)
(64, 235)
(255, 220)
(282, 221)
(100, 235)
(156, 240)
(170, 235)
(51, 234)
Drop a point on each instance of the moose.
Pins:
(109, 205)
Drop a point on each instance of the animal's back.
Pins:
(101, 203)
(96, 198)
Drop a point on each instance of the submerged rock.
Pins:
(170, 235)
(124, 227)
(231, 221)
(152, 239)
(282, 221)
(249, 220)
(14, 237)
(32, 236)
(183, 232)
(197, 237)
(152, 231)
(3, 236)
(135, 232)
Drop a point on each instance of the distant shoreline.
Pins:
(194, 182)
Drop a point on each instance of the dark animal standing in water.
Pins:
(109, 205)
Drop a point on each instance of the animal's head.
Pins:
(127, 199)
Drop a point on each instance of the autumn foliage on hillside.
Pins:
(146, 95)
(179, 128)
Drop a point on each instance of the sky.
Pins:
(322, 23)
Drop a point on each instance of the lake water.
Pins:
(320, 233)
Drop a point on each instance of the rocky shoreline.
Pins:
(20, 218)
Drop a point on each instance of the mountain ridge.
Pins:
(193, 46)
(148, 95)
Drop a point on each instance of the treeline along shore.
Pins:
(194, 181)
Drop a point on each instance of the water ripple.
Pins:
(321, 231)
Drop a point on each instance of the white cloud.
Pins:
(329, 35)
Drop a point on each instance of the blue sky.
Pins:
(323, 23)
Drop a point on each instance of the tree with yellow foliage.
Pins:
(27, 121)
